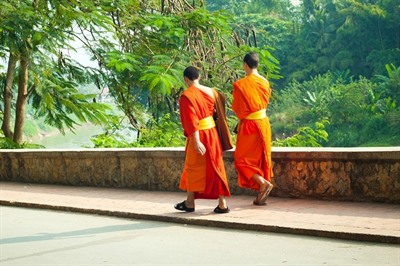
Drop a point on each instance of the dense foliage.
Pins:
(351, 112)
(333, 66)
(340, 66)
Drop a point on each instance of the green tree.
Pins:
(362, 36)
(156, 42)
(33, 35)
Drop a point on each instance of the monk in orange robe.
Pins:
(204, 173)
(253, 146)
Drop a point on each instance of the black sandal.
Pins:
(219, 210)
(182, 207)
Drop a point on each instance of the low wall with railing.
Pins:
(352, 174)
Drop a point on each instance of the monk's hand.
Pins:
(200, 148)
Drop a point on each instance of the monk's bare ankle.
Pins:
(189, 204)
(222, 203)
(264, 186)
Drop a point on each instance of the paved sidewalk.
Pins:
(374, 222)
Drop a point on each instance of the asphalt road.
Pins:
(42, 237)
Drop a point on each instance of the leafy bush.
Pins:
(6, 143)
(109, 141)
(163, 133)
(305, 137)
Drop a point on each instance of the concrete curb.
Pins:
(213, 223)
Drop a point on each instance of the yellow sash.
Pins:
(257, 115)
(206, 123)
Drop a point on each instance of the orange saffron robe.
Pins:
(205, 175)
(253, 146)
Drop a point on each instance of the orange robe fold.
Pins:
(205, 175)
(253, 146)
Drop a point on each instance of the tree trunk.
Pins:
(21, 100)
(7, 96)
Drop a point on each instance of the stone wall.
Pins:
(353, 174)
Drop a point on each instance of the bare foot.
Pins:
(265, 189)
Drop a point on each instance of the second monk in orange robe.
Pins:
(253, 146)
(204, 171)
